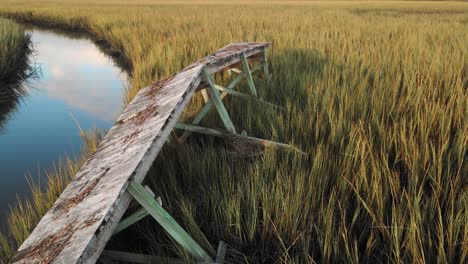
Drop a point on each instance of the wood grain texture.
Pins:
(79, 224)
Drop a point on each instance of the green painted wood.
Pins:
(137, 258)
(221, 253)
(201, 130)
(223, 133)
(265, 66)
(203, 113)
(248, 75)
(209, 103)
(136, 216)
(197, 120)
(217, 101)
(231, 91)
(243, 96)
(130, 220)
(235, 81)
(199, 117)
(167, 222)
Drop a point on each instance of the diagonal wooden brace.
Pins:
(143, 197)
(243, 96)
(223, 133)
(217, 101)
(133, 218)
(221, 253)
(248, 75)
(265, 67)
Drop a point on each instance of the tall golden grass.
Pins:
(374, 92)
(13, 55)
(15, 48)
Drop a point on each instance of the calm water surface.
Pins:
(77, 84)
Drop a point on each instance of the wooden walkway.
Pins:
(87, 213)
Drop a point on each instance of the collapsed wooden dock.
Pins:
(89, 211)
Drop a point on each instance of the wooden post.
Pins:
(216, 99)
(265, 66)
(167, 222)
(221, 253)
(248, 75)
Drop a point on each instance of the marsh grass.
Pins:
(15, 67)
(14, 49)
(24, 216)
(375, 95)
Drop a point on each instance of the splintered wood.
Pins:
(79, 224)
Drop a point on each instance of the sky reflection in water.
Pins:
(79, 83)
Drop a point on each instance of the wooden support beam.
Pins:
(138, 258)
(197, 120)
(223, 133)
(136, 216)
(265, 66)
(105, 260)
(225, 91)
(221, 253)
(244, 96)
(130, 220)
(236, 80)
(199, 117)
(248, 75)
(133, 218)
(231, 91)
(217, 101)
(167, 222)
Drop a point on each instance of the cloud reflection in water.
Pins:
(79, 83)
(79, 74)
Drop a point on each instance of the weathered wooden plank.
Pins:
(79, 224)
(230, 55)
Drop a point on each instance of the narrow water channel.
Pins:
(77, 84)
